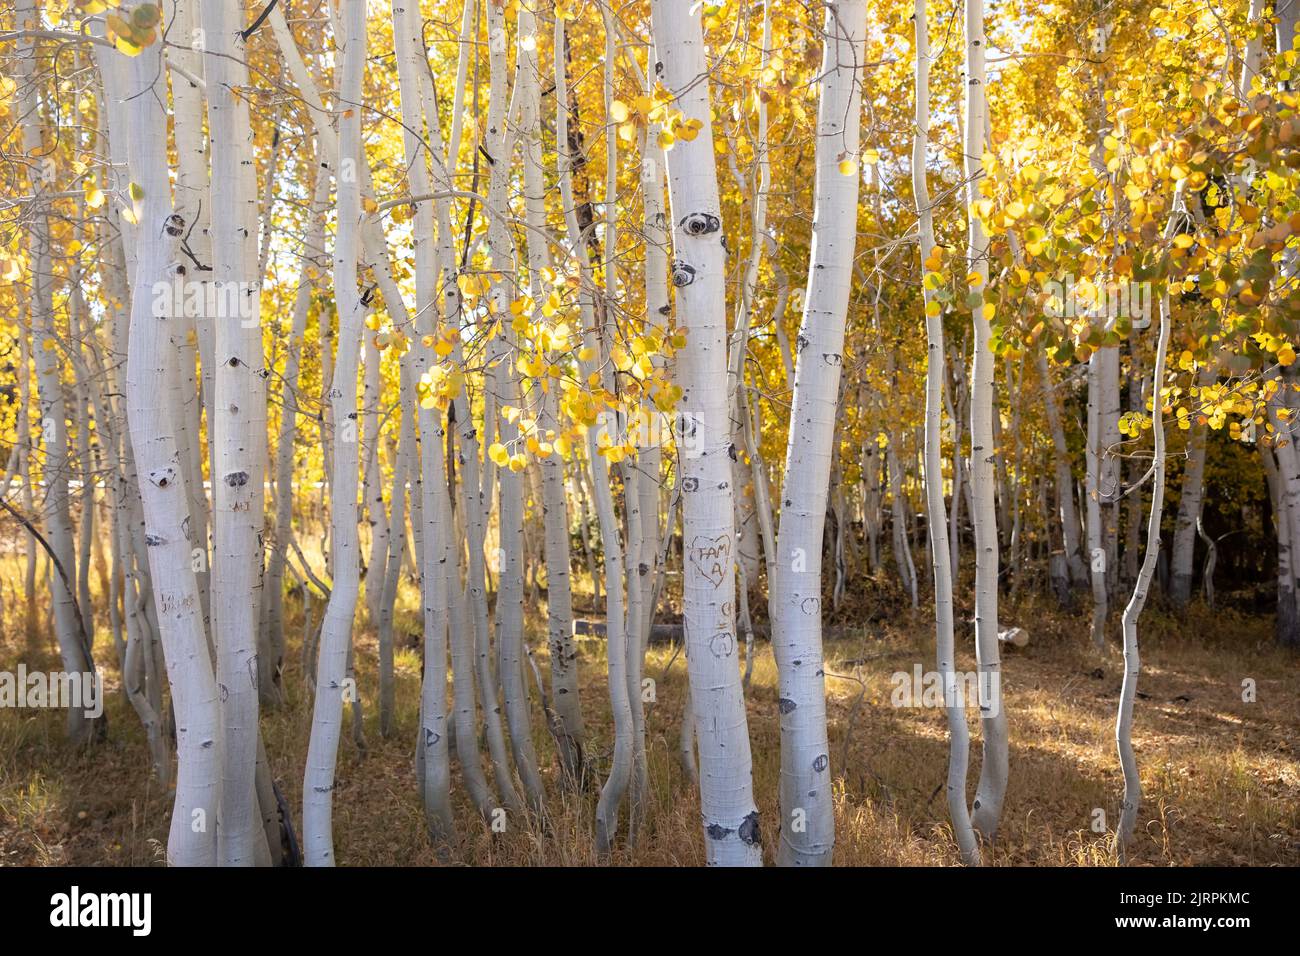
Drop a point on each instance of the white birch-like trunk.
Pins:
(194, 205)
(1097, 558)
(1288, 620)
(940, 562)
(309, 279)
(152, 381)
(730, 817)
(1181, 568)
(509, 609)
(565, 698)
(807, 816)
(438, 561)
(236, 579)
(74, 645)
(1132, 662)
(989, 795)
(1065, 510)
(336, 629)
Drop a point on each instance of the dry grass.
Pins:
(1220, 776)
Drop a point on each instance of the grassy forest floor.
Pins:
(1221, 777)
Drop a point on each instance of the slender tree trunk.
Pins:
(992, 788)
(74, 647)
(940, 563)
(308, 281)
(239, 443)
(1182, 571)
(555, 510)
(336, 629)
(1132, 663)
(1065, 510)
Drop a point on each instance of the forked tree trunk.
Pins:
(940, 563)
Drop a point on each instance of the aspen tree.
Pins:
(194, 205)
(730, 817)
(464, 651)
(987, 808)
(807, 819)
(504, 377)
(154, 341)
(1137, 601)
(1065, 509)
(437, 559)
(73, 627)
(555, 510)
(616, 635)
(1181, 571)
(958, 734)
(336, 628)
(309, 276)
(240, 445)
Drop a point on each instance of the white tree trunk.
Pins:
(1098, 565)
(987, 808)
(74, 645)
(1288, 620)
(509, 610)
(807, 817)
(1181, 569)
(438, 561)
(730, 817)
(1066, 513)
(555, 510)
(152, 383)
(1132, 663)
(240, 440)
(336, 629)
(940, 562)
(309, 279)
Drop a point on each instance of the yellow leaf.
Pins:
(498, 454)
(126, 47)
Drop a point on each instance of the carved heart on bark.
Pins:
(710, 557)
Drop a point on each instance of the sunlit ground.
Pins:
(1221, 776)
